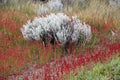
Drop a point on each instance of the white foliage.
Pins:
(59, 24)
(55, 5)
(42, 10)
(51, 7)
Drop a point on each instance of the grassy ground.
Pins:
(109, 70)
(16, 53)
(93, 12)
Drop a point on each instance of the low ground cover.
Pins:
(17, 55)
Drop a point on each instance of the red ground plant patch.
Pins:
(58, 68)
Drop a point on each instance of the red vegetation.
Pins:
(56, 69)
(16, 54)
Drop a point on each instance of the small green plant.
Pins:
(100, 71)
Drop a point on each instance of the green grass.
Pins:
(109, 70)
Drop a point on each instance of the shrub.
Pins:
(55, 5)
(56, 28)
(42, 10)
(52, 6)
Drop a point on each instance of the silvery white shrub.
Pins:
(40, 26)
(58, 27)
(114, 2)
(55, 5)
(42, 10)
(52, 5)
(66, 2)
